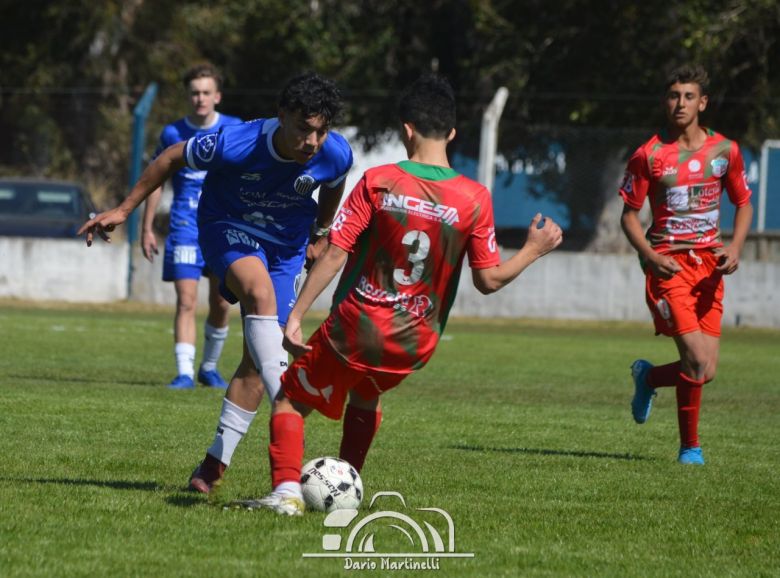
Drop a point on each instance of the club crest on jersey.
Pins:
(719, 166)
(304, 184)
(206, 146)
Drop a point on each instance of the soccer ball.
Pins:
(330, 484)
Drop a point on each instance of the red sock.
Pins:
(286, 448)
(664, 375)
(360, 427)
(688, 405)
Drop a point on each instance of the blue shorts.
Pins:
(223, 244)
(183, 258)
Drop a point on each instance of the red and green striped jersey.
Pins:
(685, 188)
(407, 228)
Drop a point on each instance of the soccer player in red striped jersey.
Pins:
(683, 172)
(403, 233)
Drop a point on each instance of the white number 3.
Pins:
(419, 244)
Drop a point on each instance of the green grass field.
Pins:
(520, 430)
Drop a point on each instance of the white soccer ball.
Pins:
(330, 484)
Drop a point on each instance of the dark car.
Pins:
(32, 207)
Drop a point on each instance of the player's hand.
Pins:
(728, 259)
(102, 224)
(316, 247)
(664, 266)
(544, 235)
(293, 338)
(149, 245)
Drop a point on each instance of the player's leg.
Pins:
(673, 309)
(246, 278)
(238, 260)
(184, 332)
(362, 419)
(317, 380)
(215, 333)
(698, 363)
(249, 280)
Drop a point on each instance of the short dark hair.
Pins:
(689, 74)
(429, 104)
(203, 70)
(311, 95)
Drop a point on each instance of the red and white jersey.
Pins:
(407, 228)
(685, 189)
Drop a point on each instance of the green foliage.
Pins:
(520, 430)
(583, 63)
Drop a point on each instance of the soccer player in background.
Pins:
(257, 223)
(183, 262)
(403, 233)
(684, 172)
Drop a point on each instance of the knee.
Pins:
(700, 368)
(186, 303)
(258, 300)
(358, 401)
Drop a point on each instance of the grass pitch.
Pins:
(519, 430)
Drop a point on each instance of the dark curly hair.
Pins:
(689, 74)
(311, 95)
(429, 104)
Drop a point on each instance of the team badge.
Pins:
(628, 183)
(719, 166)
(663, 310)
(206, 146)
(304, 184)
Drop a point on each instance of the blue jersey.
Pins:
(187, 182)
(251, 187)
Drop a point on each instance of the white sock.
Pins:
(185, 358)
(264, 341)
(214, 341)
(289, 490)
(233, 424)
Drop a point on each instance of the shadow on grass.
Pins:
(186, 500)
(79, 380)
(114, 484)
(543, 452)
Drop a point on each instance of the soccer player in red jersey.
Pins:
(684, 172)
(403, 233)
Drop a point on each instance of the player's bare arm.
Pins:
(320, 276)
(327, 205)
(729, 255)
(663, 265)
(148, 238)
(169, 161)
(540, 241)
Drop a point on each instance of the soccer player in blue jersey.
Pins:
(257, 223)
(183, 262)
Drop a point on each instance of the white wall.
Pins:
(561, 285)
(62, 270)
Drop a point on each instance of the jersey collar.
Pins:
(269, 128)
(428, 172)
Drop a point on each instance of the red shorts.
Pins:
(692, 300)
(321, 380)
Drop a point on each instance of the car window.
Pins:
(30, 200)
(9, 201)
(59, 202)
